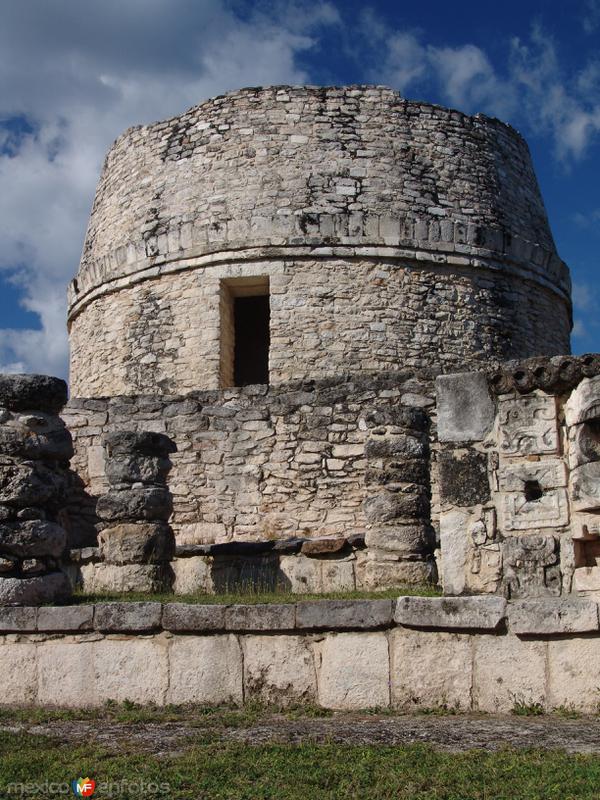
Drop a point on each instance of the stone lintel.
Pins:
(462, 613)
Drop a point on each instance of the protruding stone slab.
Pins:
(33, 393)
(462, 613)
(145, 443)
(465, 408)
(65, 619)
(127, 617)
(343, 614)
(18, 620)
(545, 615)
(184, 617)
(260, 617)
(319, 547)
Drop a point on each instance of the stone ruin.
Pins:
(35, 448)
(310, 349)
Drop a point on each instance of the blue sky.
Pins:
(74, 74)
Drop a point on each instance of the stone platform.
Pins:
(416, 653)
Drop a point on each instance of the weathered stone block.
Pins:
(387, 506)
(205, 669)
(545, 615)
(126, 578)
(29, 483)
(374, 574)
(151, 503)
(260, 617)
(301, 575)
(66, 674)
(191, 575)
(431, 670)
(279, 670)
(191, 617)
(51, 588)
(463, 477)
(127, 469)
(32, 538)
(137, 543)
(18, 667)
(336, 614)
(35, 435)
(476, 613)
(572, 671)
(403, 539)
(353, 671)
(18, 620)
(127, 617)
(145, 443)
(319, 547)
(134, 669)
(33, 392)
(62, 619)
(465, 408)
(455, 547)
(507, 671)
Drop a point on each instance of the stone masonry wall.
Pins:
(392, 232)
(328, 316)
(252, 463)
(459, 654)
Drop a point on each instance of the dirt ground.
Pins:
(449, 733)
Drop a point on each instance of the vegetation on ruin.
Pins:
(252, 596)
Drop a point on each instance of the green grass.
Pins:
(254, 597)
(216, 770)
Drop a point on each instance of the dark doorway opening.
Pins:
(251, 317)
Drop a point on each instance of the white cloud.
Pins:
(80, 73)
(530, 90)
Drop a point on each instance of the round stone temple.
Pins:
(292, 233)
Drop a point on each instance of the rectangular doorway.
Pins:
(245, 331)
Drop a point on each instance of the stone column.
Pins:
(399, 536)
(136, 542)
(35, 448)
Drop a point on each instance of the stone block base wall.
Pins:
(475, 653)
(327, 460)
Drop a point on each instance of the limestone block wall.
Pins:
(392, 232)
(257, 463)
(518, 471)
(329, 316)
(415, 653)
